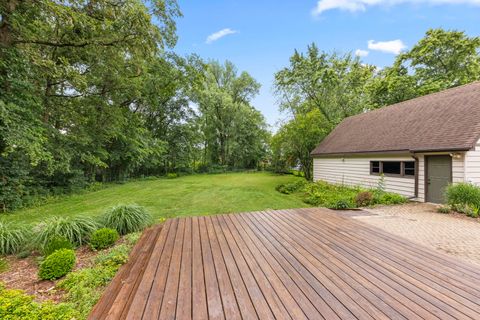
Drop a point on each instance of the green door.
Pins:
(439, 175)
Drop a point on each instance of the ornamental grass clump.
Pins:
(56, 243)
(463, 194)
(126, 218)
(12, 239)
(76, 230)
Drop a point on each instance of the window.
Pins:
(409, 168)
(393, 168)
(375, 166)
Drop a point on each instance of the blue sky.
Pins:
(260, 36)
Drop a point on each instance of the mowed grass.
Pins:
(166, 198)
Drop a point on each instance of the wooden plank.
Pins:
(199, 292)
(229, 302)
(244, 301)
(148, 299)
(214, 301)
(403, 280)
(143, 291)
(184, 301)
(170, 295)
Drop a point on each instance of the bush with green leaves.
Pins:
(288, 188)
(172, 175)
(56, 243)
(15, 304)
(76, 230)
(388, 198)
(463, 194)
(103, 238)
(115, 257)
(126, 218)
(12, 238)
(444, 209)
(57, 264)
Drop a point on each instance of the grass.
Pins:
(166, 198)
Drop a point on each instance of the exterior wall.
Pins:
(472, 165)
(355, 171)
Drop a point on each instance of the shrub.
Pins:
(341, 205)
(172, 175)
(12, 239)
(364, 199)
(76, 230)
(126, 218)
(444, 209)
(56, 243)
(292, 187)
(132, 238)
(15, 304)
(388, 198)
(57, 264)
(463, 193)
(103, 238)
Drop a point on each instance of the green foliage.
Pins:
(115, 257)
(388, 198)
(364, 199)
(12, 238)
(3, 265)
(172, 175)
(103, 238)
(56, 243)
(76, 230)
(463, 194)
(132, 238)
(292, 187)
(126, 218)
(15, 304)
(56, 265)
(84, 287)
(444, 209)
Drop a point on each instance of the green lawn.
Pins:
(185, 196)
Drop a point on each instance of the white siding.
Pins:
(355, 171)
(472, 165)
(421, 178)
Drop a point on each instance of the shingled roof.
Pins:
(444, 121)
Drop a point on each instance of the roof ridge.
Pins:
(416, 98)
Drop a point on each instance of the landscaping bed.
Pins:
(340, 197)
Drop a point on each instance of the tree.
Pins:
(297, 138)
(332, 83)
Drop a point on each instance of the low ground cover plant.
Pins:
(339, 196)
(15, 304)
(126, 218)
(56, 265)
(103, 238)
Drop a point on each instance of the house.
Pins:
(419, 146)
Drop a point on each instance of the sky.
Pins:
(260, 36)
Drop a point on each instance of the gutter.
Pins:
(417, 166)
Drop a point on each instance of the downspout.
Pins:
(416, 173)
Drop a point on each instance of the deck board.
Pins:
(287, 264)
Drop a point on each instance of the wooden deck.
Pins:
(287, 264)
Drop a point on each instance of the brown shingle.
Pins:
(446, 120)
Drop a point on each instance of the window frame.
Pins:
(402, 169)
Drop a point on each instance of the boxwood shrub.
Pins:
(103, 238)
(57, 264)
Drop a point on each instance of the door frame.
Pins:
(426, 171)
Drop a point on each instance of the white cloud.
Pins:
(361, 53)
(393, 46)
(361, 5)
(220, 34)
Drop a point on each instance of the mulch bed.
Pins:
(22, 274)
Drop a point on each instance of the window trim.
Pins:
(397, 175)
